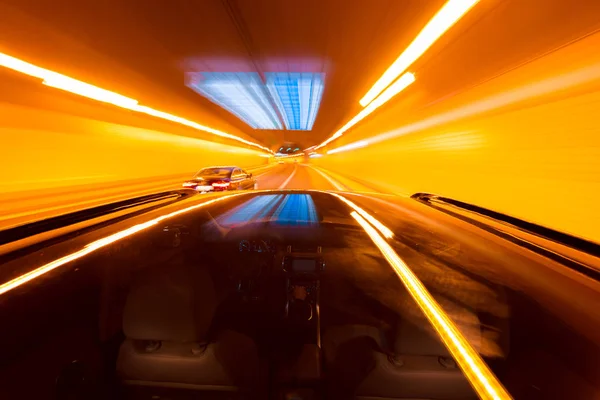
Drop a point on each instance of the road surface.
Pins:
(23, 207)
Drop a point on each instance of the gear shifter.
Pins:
(299, 309)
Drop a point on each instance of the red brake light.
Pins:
(220, 184)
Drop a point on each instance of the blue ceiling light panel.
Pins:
(241, 93)
(297, 97)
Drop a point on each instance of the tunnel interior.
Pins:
(429, 112)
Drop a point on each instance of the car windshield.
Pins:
(214, 172)
(278, 200)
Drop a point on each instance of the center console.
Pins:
(301, 376)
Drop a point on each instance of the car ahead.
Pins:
(294, 294)
(215, 179)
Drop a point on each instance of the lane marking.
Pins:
(265, 173)
(284, 184)
(329, 179)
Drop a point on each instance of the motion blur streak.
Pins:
(351, 146)
(398, 86)
(448, 15)
(517, 95)
(481, 378)
(63, 82)
(385, 231)
(192, 124)
(98, 244)
(59, 81)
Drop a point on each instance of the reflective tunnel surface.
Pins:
(312, 199)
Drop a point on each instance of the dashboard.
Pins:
(257, 246)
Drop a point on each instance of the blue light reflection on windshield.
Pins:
(282, 210)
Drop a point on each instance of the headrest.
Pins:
(171, 303)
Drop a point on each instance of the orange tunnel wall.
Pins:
(43, 149)
(50, 138)
(526, 143)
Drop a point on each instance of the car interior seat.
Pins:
(171, 346)
(414, 364)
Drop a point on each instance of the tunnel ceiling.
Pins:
(351, 41)
(164, 39)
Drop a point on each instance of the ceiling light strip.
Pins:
(445, 18)
(402, 83)
(514, 95)
(63, 82)
(351, 146)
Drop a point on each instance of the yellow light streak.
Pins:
(445, 18)
(98, 244)
(566, 81)
(385, 231)
(63, 82)
(485, 383)
(402, 83)
(66, 83)
(351, 146)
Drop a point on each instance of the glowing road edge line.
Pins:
(477, 372)
(289, 178)
(63, 82)
(98, 244)
(385, 231)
